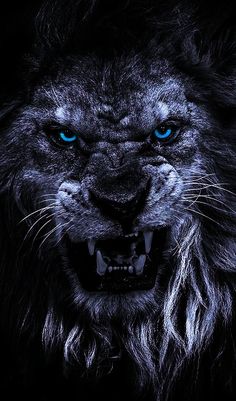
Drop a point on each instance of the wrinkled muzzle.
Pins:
(119, 221)
(119, 191)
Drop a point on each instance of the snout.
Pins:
(120, 218)
(120, 192)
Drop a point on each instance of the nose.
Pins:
(120, 192)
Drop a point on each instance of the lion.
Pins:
(117, 170)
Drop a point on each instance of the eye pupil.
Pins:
(163, 133)
(67, 136)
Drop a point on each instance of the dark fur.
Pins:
(183, 334)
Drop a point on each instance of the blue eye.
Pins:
(164, 133)
(61, 136)
(67, 136)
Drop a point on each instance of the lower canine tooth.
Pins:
(139, 264)
(148, 236)
(101, 265)
(91, 246)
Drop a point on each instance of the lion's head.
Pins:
(118, 211)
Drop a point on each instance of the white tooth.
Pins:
(133, 248)
(91, 246)
(148, 236)
(125, 267)
(139, 264)
(131, 269)
(101, 265)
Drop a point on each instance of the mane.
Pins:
(162, 339)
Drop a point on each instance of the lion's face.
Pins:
(117, 212)
(109, 152)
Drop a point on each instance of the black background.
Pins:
(17, 32)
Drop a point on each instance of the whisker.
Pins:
(204, 186)
(224, 189)
(195, 199)
(52, 194)
(207, 204)
(36, 222)
(197, 179)
(52, 231)
(203, 215)
(51, 206)
(41, 228)
(46, 200)
(201, 177)
(210, 198)
(51, 218)
(61, 237)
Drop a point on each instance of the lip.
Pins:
(128, 263)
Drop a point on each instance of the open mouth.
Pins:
(128, 263)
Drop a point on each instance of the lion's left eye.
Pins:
(164, 133)
(67, 136)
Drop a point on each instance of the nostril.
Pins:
(71, 191)
(125, 208)
(68, 192)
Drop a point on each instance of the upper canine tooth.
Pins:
(139, 264)
(91, 246)
(148, 236)
(101, 265)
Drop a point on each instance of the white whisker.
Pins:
(51, 206)
(203, 215)
(58, 226)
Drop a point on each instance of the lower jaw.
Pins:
(119, 279)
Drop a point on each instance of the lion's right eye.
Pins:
(61, 136)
